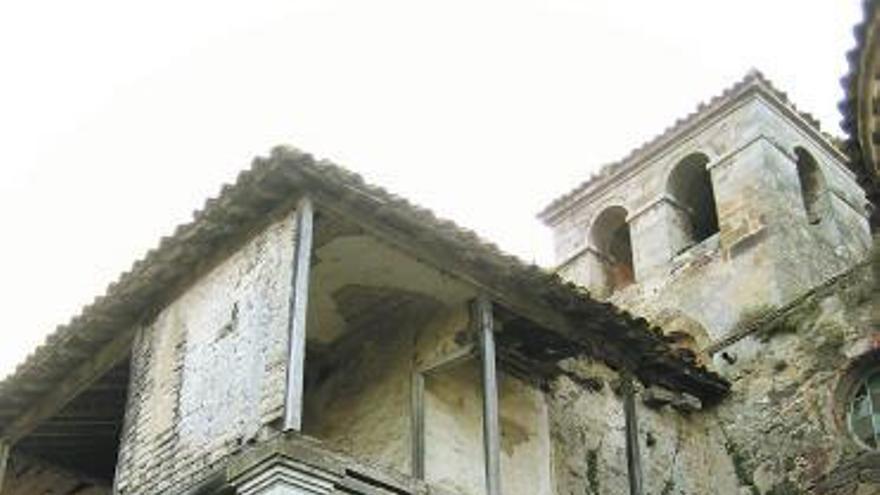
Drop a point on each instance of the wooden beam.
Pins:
(417, 425)
(450, 360)
(417, 397)
(74, 383)
(633, 458)
(4, 460)
(483, 319)
(298, 307)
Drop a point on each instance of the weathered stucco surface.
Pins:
(781, 432)
(785, 420)
(681, 453)
(362, 405)
(208, 371)
(455, 436)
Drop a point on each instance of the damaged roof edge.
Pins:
(752, 82)
(274, 183)
(858, 102)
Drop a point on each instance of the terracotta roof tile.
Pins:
(274, 181)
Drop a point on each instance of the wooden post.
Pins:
(4, 461)
(417, 398)
(482, 317)
(633, 458)
(299, 303)
(417, 430)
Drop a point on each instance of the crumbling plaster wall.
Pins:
(27, 475)
(208, 371)
(785, 418)
(764, 239)
(363, 406)
(454, 436)
(782, 430)
(681, 453)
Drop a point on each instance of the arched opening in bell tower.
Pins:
(610, 236)
(690, 186)
(812, 183)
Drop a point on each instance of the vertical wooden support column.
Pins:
(482, 317)
(299, 302)
(417, 430)
(4, 460)
(633, 458)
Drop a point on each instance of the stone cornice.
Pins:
(663, 198)
(577, 255)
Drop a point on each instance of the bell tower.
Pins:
(743, 204)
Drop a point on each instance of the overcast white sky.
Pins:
(118, 119)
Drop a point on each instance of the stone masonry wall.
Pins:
(782, 431)
(208, 371)
(785, 420)
(764, 241)
(682, 454)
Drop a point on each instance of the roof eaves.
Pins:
(860, 161)
(270, 184)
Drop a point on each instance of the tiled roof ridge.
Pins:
(754, 78)
(849, 105)
(254, 194)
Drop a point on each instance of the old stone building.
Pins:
(743, 234)
(312, 332)
(718, 215)
(711, 328)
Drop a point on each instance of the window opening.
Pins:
(811, 182)
(690, 185)
(611, 238)
(864, 411)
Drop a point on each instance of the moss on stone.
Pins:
(861, 292)
(741, 467)
(754, 315)
(668, 487)
(780, 395)
(796, 320)
(833, 335)
(784, 488)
